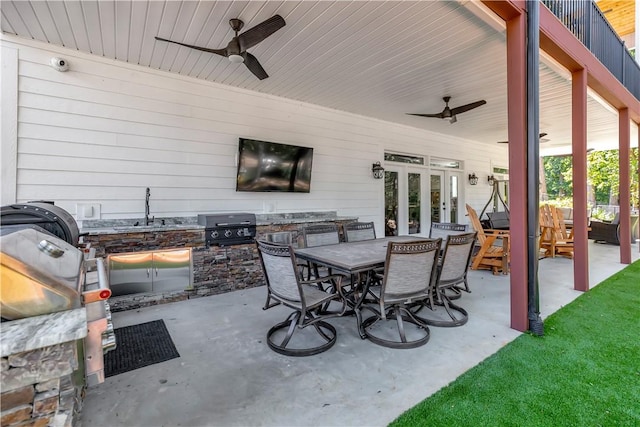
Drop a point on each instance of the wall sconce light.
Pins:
(491, 180)
(377, 170)
(473, 179)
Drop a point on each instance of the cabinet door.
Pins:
(171, 270)
(130, 273)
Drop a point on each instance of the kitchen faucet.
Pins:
(147, 221)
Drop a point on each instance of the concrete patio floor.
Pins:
(227, 376)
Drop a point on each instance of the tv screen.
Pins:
(269, 166)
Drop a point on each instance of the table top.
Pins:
(353, 257)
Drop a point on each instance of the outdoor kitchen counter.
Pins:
(98, 227)
(124, 229)
(216, 268)
(35, 332)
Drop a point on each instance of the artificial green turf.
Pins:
(584, 371)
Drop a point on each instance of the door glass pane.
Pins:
(436, 198)
(414, 203)
(391, 203)
(453, 198)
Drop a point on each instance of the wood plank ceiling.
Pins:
(380, 59)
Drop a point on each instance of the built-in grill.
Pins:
(228, 229)
(42, 273)
(45, 215)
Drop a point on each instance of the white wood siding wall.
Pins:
(105, 130)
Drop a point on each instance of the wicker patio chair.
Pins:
(358, 231)
(409, 271)
(451, 274)
(286, 286)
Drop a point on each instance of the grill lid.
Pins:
(40, 273)
(226, 220)
(52, 218)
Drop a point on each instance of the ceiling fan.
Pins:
(542, 139)
(236, 50)
(451, 113)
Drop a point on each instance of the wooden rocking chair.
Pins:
(491, 256)
(555, 239)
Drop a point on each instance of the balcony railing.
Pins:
(585, 20)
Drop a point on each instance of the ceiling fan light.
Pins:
(236, 59)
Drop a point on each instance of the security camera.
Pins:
(59, 64)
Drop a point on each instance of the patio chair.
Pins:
(444, 229)
(280, 237)
(409, 271)
(491, 255)
(554, 237)
(319, 235)
(358, 231)
(451, 274)
(286, 286)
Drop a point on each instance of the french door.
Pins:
(415, 197)
(445, 194)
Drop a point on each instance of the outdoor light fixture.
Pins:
(491, 179)
(473, 179)
(378, 170)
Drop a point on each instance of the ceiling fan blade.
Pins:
(222, 52)
(255, 35)
(254, 66)
(438, 116)
(463, 108)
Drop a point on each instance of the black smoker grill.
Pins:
(228, 229)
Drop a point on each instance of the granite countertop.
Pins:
(122, 226)
(36, 332)
(117, 229)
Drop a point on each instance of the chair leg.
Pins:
(325, 330)
(450, 308)
(400, 320)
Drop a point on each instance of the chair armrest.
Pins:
(498, 233)
(333, 279)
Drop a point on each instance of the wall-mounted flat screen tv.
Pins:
(270, 166)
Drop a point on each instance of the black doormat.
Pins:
(139, 345)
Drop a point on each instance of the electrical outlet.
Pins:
(87, 211)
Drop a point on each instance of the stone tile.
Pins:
(17, 397)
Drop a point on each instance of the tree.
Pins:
(602, 176)
(558, 178)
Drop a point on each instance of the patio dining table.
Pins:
(352, 258)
